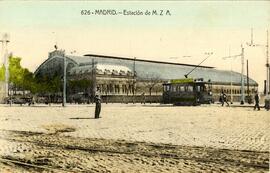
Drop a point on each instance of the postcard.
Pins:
(134, 86)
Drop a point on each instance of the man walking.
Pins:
(98, 103)
(257, 101)
(224, 99)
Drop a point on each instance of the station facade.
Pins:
(134, 80)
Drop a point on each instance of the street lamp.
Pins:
(5, 40)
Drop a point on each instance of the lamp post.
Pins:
(5, 40)
(134, 76)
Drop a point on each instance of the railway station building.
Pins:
(122, 79)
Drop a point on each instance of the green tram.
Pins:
(187, 92)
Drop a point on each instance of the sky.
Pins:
(183, 35)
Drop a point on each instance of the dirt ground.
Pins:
(134, 138)
(55, 153)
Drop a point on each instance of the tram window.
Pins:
(190, 88)
(177, 88)
(182, 88)
(174, 88)
(198, 88)
(166, 88)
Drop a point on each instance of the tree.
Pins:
(81, 84)
(19, 77)
(151, 81)
(16, 72)
(2, 73)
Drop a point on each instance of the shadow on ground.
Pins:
(82, 118)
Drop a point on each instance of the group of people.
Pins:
(223, 99)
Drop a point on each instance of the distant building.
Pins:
(126, 79)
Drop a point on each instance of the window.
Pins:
(182, 88)
(167, 88)
(198, 88)
(190, 88)
(123, 88)
(173, 88)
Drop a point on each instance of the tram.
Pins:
(187, 92)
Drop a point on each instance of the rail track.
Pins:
(48, 146)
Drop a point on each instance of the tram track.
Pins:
(50, 143)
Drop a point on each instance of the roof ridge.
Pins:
(143, 60)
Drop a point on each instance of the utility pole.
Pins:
(5, 40)
(249, 99)
(267, 65)
(134, 72)
(65, 82)
(93, 78)
(242, 73)
(267, 81)
(231, 75)
(242, 76)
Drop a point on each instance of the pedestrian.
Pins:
(221, 99)
(98, 103)
(256, 101)
(143, 98)
(224, 99)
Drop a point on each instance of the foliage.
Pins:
(19, 77)
(22, 79)
(2, 73)
(81, 84)
(47, 85)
